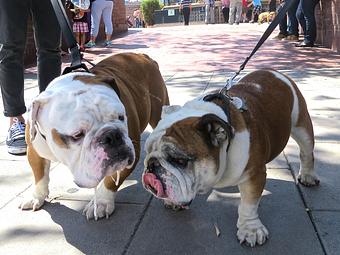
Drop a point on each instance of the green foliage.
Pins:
(148, 8)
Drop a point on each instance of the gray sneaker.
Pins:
(15, 141)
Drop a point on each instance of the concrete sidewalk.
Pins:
(300, 220)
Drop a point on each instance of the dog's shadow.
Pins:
(130, 228)
(104, 236)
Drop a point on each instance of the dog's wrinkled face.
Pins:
(85, 127)
(183, 157)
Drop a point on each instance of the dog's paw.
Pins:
(32, 203)
(98, 210)
(174, 207)
(253, 234)
(308, 180)
(102, 204)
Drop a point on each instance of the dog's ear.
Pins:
(36, 107)
(216, 129)
(112, 83)
(168, 109)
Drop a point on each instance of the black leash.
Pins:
(264, 37)
(76, 56)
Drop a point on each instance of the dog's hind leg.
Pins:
(303, 134)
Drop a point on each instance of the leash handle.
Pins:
(281, 14)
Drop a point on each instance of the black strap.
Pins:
(281, 14)
(71, 42)
(224, 98)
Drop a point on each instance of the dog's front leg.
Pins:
(41, 170)
(250, 228)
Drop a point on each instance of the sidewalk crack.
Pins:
(307, 209)
(137, 226)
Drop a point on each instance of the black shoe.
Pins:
(304, 44)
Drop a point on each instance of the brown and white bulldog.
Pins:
(92, 123)
(210, 143)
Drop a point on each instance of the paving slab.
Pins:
(164, 231)
(328, 225)
(326, 195)
(60, 228)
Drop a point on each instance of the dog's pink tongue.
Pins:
(151, 180)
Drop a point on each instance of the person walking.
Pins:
(14, 15)
(235, 12)
(185, 8)
(209, 11)
(225, 10)
(101, 8)
(306, 16)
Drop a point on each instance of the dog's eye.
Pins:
(181, 162)
(121, 117)
(78, 135)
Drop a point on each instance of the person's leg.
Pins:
(293, 22)
(283, 27)
(238, 13)
(212, 15)
(224, 12)
(206, 18)
(13, 26)
(77, 36)
(96, 12)
(300, 17)
(186, 13)
(227, 15)
(232, 12)
(47, 37)
(107, 18)
(308, 9)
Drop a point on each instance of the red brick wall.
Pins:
(119, 26)
(328, 22)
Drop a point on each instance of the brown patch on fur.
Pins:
(36, 162)
(91, 80)
(58, 139)
(199, 146)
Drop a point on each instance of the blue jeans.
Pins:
(306, 17)
(292, 28)
(14, 16)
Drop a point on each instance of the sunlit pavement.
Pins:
(192, 59)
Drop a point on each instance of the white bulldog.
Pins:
(92, 122)
(210, 143)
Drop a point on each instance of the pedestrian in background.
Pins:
(14, 15)
(235, 12)
(80, 26)
(257, 8)
(225, 10)
(101, 8)
(185, 8)
(306, 16)
(209, 11)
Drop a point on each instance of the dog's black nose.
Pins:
(153, 163)
(112, 138)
